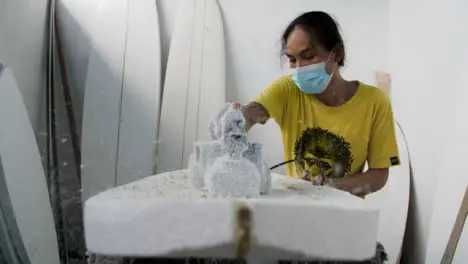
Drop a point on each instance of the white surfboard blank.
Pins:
(141, 93)
(99, 139)
(194, 88)
(24, 175)
(393, 200)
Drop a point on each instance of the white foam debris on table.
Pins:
(163, 215)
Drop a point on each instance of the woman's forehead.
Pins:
(300, 41)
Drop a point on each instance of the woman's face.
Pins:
(301, 51)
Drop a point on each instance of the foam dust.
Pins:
(229, 165)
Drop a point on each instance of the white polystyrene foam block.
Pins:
(321, 231)
(163, 215)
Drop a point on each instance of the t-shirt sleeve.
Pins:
(383, 148)
(274, 99)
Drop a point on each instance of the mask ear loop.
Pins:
(328, 59)
(325, 69)
(342, 68)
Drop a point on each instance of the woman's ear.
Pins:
(338, 52)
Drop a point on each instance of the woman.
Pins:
(333, 125)
(330, 126)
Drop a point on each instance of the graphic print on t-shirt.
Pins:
(318, 150)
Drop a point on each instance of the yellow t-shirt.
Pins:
(338, 140)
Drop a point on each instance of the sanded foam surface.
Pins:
(194, 86)
(162, 215)
(24, 175)
(141, 93)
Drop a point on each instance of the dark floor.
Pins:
(379, 258)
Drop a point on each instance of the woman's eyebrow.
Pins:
(301, 53)
(305, 51)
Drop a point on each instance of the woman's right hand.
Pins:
(215, 123)
(254, 113)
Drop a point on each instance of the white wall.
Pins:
(412, 97)
(427, 43)
(252, 31)
(452, 180)
(23, 37)
(450, 32)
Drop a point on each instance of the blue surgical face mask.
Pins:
(312, 79)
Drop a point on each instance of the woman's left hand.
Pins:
(324, 181)
(319, 180)
(342, 185)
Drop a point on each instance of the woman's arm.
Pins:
(271, 103)
(254, 113)
(382, 152)
(361, 184)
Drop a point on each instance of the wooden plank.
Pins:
(383, 81)
(456, 231)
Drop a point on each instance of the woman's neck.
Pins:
(338, 92)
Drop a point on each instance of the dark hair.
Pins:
(320, 26)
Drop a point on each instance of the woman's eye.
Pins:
(309, 57)
(292, 60)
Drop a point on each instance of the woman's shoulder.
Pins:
(284, 82)
(280, 87)
(373, 94)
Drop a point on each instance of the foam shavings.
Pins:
(229, 166)
(175, 186)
